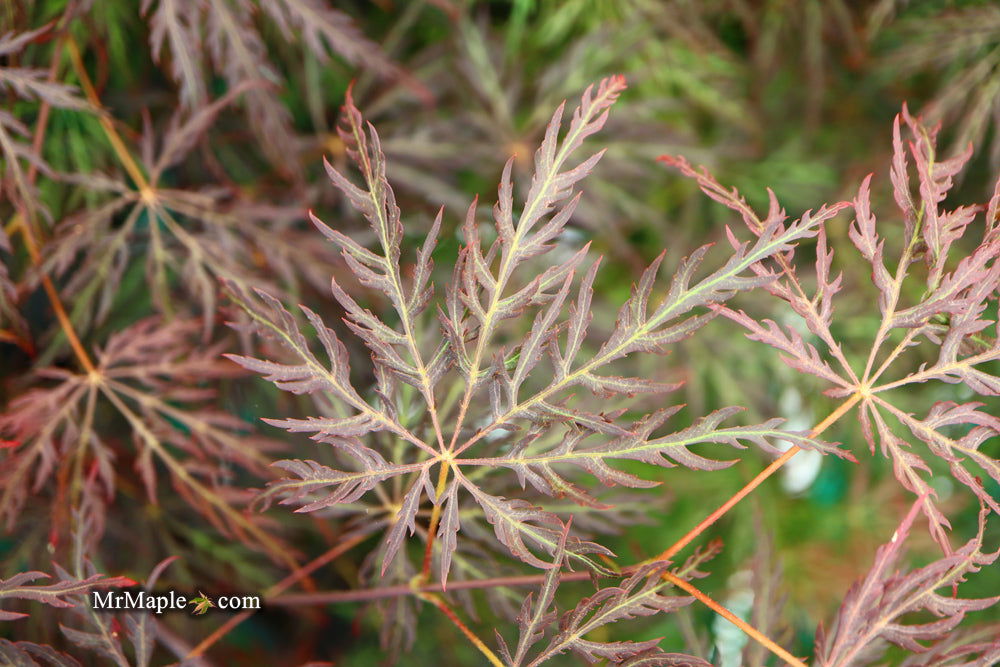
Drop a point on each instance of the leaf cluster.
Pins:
(486, 393)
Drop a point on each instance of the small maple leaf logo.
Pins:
(201, 604)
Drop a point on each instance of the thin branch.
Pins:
(27, 226)
(756, 481)
(432, 527)
(469, 634)
(382, 592)
(276, 589)
(27, 229)
(106, 122)
(751, 631)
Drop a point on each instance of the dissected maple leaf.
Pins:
(953, 313)
(152, 376)
(874, 608)
(21, 586)
(523, 408)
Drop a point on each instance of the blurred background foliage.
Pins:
(797, 96)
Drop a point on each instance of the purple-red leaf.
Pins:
(873, 611)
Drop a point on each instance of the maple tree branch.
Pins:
(128, 162)
(276, 589)
(432, 527)
(428, 592)
(757, 480)
(755, 634)
(469, 634)
(27, 226)
(44, 112)
(382, 592)
(27, 230)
